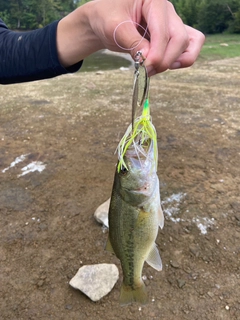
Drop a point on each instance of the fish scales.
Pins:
(130, 228)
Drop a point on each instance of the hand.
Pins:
(114, 25)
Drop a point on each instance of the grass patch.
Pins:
(220, 46)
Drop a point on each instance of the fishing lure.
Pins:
(141, 131)
(140, 85)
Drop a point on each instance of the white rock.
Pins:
(96, 280)
(101, 213)
(123, 69)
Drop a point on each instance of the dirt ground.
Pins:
(70, 127)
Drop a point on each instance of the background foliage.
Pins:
(209, 16)
(32, 14)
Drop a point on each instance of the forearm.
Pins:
(75, 38)
(29, 56)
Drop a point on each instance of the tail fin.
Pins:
(129, 295)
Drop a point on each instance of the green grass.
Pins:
(214, 49)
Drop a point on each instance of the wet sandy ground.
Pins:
(70, 127)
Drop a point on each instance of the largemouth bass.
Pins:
(135, 211)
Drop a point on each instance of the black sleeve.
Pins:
(29, 56)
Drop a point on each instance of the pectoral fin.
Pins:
(154, 259)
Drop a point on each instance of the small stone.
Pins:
(147, 282)
(227, 308)
(219, 187)
(170, 280)
(68, 306)
(181, 283)
(3, 256)
(194, 276)
(236, 207)
(201, 290)
(210, 294)
(187, 269)
(104, 229)
(194, 250)
(160, 305)
(174, 264)
(95, 281)
(40, 283)
(101, 213)
(237, 217)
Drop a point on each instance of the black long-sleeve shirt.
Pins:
(29, 56)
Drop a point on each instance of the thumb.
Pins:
(127, 38)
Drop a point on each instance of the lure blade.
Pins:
(140, 87)
(135, 98)
(143, 85)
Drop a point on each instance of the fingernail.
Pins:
(176, 65)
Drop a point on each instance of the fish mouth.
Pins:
(142, 191)
(145, 189)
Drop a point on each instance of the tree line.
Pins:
(209, 16)
(33, 14)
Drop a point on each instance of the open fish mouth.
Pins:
(145, 189)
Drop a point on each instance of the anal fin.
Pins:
(109, 247)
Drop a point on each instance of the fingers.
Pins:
(172, 45)
(189, 56)
(177, 44)
(169, 45)
(155, 13)
(169, 37)
(131, 36)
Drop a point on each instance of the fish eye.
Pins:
(124, 170)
